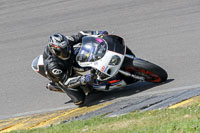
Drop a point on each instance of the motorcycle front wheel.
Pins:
(149, 71)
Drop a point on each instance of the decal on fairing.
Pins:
(106, 69)
(103, 68)
(95, 63)
(99, 40)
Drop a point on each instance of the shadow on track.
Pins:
(101, 96)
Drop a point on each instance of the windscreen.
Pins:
(92, 49)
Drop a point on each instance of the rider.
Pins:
(58, 61)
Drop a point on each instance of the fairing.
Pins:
(38, 65)
(105, 54)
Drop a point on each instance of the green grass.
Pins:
(179, 120)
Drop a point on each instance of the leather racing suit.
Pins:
(60, 71)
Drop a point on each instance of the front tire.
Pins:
(151, 72)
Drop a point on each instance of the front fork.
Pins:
(129, 59)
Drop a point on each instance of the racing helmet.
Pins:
(59, 46)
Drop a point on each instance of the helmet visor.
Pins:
(63, 53)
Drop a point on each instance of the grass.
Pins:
(178, 120)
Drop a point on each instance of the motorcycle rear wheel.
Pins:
(151, 72)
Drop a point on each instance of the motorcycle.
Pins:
(111, 61)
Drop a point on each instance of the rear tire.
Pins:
(151, 72)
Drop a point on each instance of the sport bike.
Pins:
(111, 61)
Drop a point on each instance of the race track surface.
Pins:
(165, 32)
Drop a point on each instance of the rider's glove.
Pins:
(89, 32)
(81, 34)
(103, 32)
(87, 79)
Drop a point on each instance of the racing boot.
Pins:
(76, 94)
(72, 88)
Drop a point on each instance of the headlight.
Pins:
(115, 60)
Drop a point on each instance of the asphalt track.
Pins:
(164, 32)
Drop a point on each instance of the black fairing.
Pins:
(115, 43)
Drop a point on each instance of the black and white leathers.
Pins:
(60, 71)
